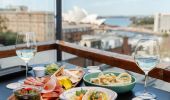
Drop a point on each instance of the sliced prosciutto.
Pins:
(33, 81)
(50, 94)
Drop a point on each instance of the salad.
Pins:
(89, 95)
(27, 93)
(79, 95)
(96, 95)
(51, 68)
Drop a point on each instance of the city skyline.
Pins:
(111, 7)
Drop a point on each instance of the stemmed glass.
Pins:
(26, 47)
(146, 57)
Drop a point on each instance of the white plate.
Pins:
(66, 95)
(93, 67)
(94, 71)
(13, 85)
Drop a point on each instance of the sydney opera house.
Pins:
(80, 16)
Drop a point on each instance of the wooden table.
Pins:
(5, 93)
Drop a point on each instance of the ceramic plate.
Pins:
(117, 88)
(67, 94)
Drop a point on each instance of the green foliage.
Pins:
(8, 38)
(142, 21)
(165, 34)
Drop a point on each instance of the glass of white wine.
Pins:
(146, 57)
(26, 47)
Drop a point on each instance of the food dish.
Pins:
(51, 68)
(88, 93)
(119, 82)
(40, 82)
(52, 86)
(78, 95)
(95, 95)
(36, 81)
(27, 93)
(111, 79)
(69, 78)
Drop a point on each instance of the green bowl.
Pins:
(117, 88)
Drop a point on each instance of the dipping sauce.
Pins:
(39, 71)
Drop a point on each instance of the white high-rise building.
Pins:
(162, 23)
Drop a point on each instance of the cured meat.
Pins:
(51, 85)
(58, 89)
(46, 79)
(32, 81)
(50, 94)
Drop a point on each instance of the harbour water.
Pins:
(133, 36)
(118, 21)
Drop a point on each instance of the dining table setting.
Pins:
(65, 81)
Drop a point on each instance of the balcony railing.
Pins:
(114, 59)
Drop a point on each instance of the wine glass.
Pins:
(146, 57)
(26, 47)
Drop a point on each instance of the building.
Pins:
(91, 43)
(77, 22)
(20, 19)
(74, 32)
(78, 15)
(102, 41)
(162, 23)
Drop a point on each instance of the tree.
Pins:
(7, 37)
(142, 21)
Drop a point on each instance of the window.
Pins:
(120, 21)
(27, 16)
(117, 20)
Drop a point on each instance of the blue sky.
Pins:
(101, 7)
(38, 5)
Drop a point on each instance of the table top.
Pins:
(5, 93)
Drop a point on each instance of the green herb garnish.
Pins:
(78, 93)
(51, 68)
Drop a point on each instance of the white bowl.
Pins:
(39, 71)
(94, 71)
